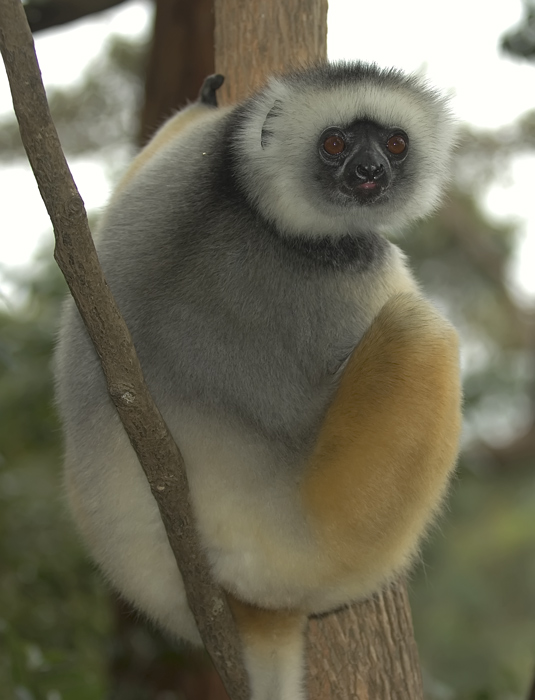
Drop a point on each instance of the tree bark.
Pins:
(366, 651)
(256, 38)
(181, 56)
(77, 258)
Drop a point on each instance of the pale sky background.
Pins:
(454, 43)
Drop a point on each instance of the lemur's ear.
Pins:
(207, 94)
(267, 133)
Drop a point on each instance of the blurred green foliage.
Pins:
(54, 622)
(473, 597)
(473, 600)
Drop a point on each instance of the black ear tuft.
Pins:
(207, 95)
(267, 133)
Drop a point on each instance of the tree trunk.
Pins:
(367, 651)
(256, 38)
(181, 56)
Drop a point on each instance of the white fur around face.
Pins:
(278, 175)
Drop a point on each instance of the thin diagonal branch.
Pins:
(77, 258)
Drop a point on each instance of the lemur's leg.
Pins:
(379, 469)
(207, 94)
(273, 643)
(387, 445)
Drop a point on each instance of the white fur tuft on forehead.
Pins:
(385, 104)
(278, 141)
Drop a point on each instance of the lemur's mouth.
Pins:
(369, 189)
(367, 192)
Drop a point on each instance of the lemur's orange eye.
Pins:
(396, 144)
(334, 145)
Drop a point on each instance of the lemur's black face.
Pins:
(360, 163)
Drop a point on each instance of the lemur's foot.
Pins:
(207, 94)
